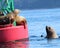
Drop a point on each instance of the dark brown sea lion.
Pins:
(4, 21)
(51, 32)
(8, 19)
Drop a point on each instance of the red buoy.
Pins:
(11, 33)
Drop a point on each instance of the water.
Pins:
(37, 21)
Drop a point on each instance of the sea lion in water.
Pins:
(51, 32)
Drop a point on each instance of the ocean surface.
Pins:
(37, 21)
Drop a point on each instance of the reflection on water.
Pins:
(15, 44)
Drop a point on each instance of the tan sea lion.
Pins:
(20, 20)
(51, 32)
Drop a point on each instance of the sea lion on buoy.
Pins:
(20, 20)
(4, 20)
(51, 32)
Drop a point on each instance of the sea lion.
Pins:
(20, 20)
(4, 20)
(51, 32)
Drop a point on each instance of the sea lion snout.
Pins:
(48, 28)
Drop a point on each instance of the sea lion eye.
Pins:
(49, 28)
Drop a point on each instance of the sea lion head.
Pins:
(51, 32)
(16, 11)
